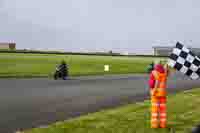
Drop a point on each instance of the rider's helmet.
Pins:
(63, 62)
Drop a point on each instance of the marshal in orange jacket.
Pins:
(158, 79)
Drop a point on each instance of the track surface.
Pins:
(27, 103)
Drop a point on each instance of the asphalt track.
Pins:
(28, 103)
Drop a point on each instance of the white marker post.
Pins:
(106, 68)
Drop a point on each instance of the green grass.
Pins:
(183, 114)
(43, 65)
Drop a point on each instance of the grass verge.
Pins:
(43, 65)
(183, 114)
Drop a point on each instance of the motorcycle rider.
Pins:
(63, 69)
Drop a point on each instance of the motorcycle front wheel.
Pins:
(55, 75)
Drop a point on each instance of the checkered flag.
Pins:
(183, 60)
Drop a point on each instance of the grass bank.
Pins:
(43, 65)
(183, 114)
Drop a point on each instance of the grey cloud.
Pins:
(128, 25)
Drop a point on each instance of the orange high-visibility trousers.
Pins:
(158, 112)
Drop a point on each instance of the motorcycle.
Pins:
(60, 74)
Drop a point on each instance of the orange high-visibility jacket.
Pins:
(162, 81)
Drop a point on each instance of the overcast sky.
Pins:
(98, 25)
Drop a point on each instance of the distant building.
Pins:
(8, 46)
(124, 53)
(163, 51)
(196, 51)
(166, 51)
